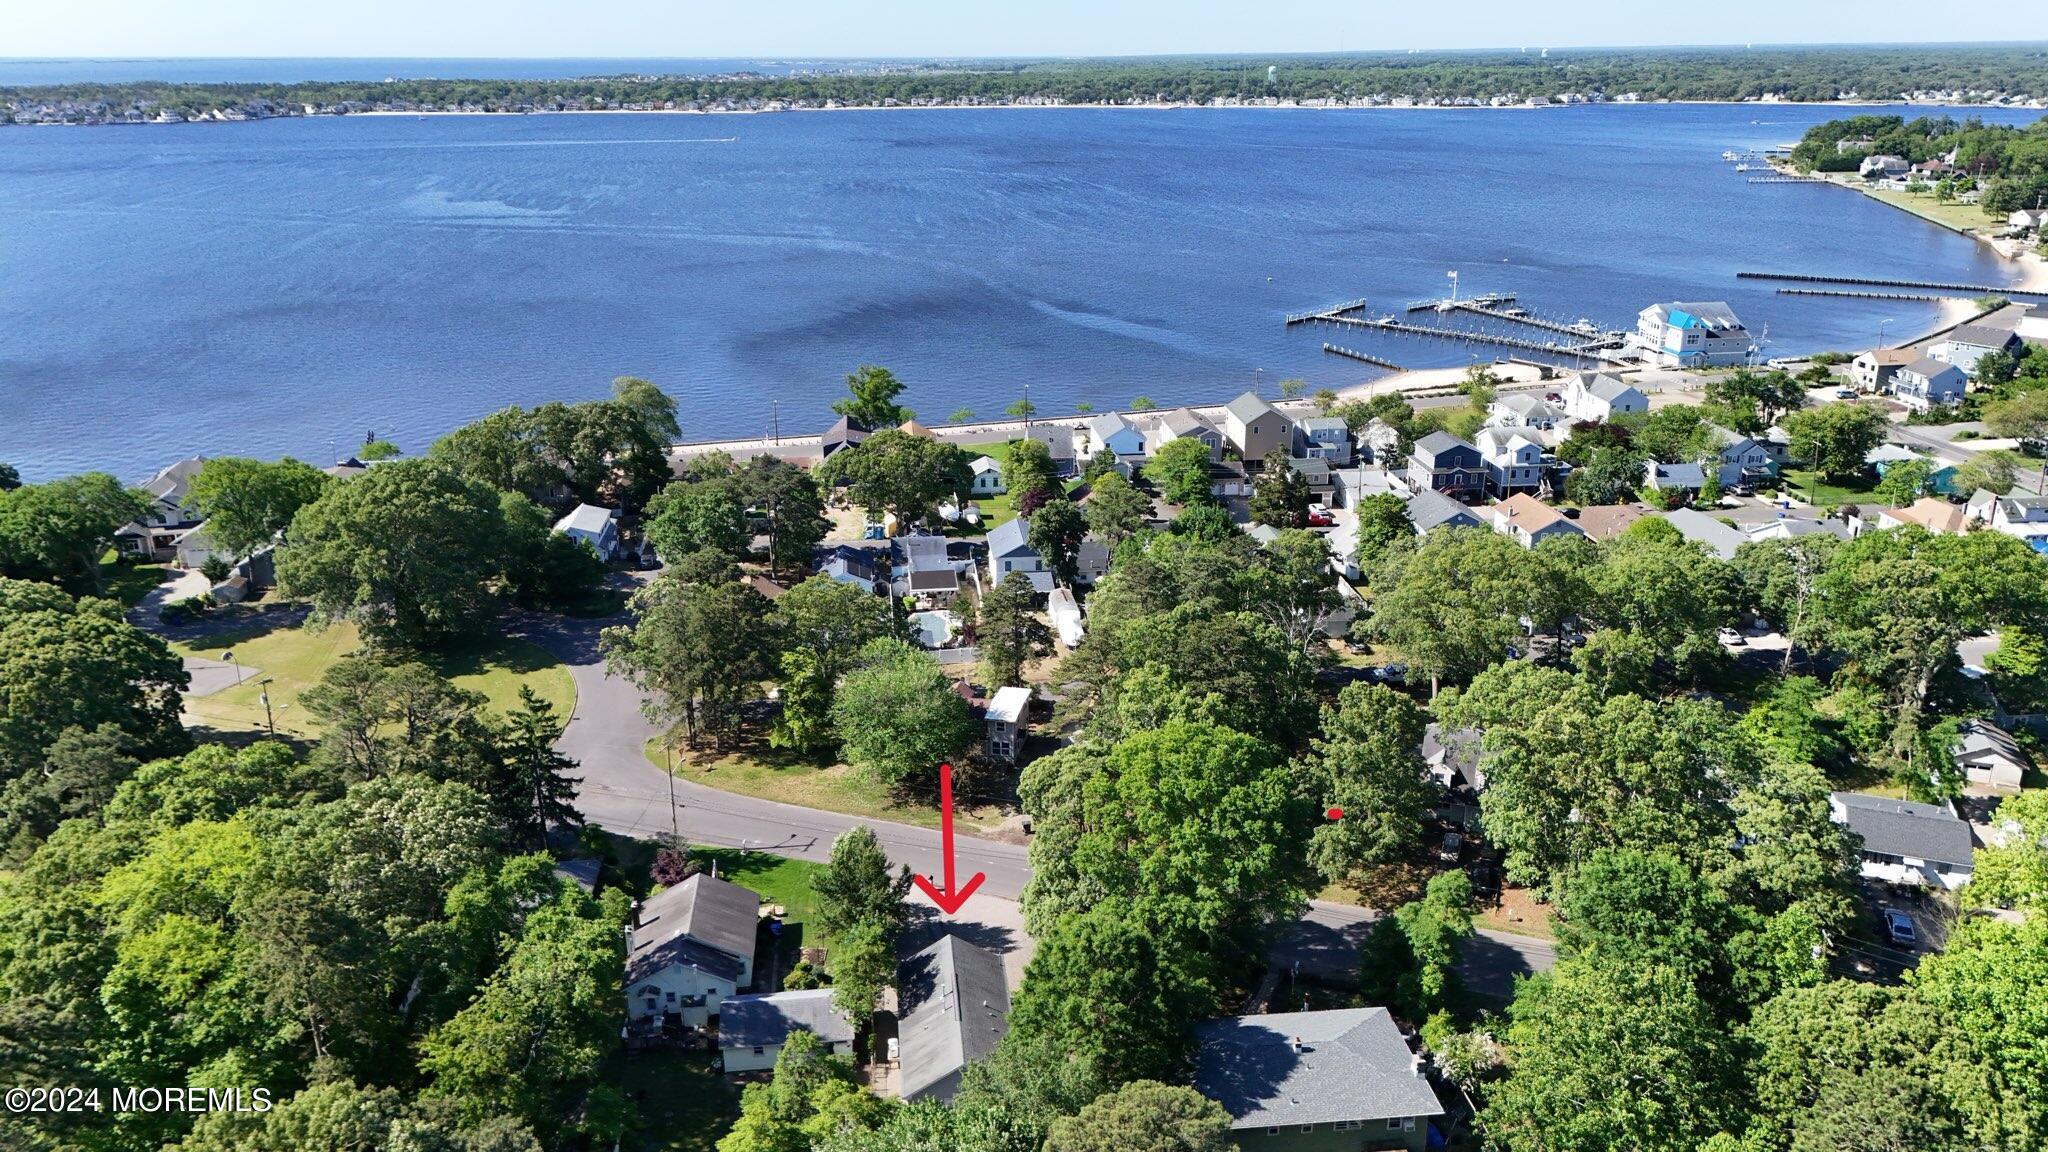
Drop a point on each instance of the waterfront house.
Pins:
(1906, 843)
(953, 1006)
(2033, 325)
(1872, 371)
(1524, 410)
(1443, 463)
(1010, 550)
(1529, 521)
(1692, 334)
(1932, 513)
(595, 526)
(170, 494)
(1430, 510)
(1341, 1078)
(1716, 537)
(1988, 756)
(1059, 444)
(1323, 438)
(752, 1029)
(1255, 427)
(1969, 343)
(912, 428)
(1927, 383)
(987, 473)
(1006, 716)
(1111, 433)
(1184, 422)
(1594, 397)
(2022, 218)
(691, 945)
(1883, 167)
(843, 434)
(1514, 462)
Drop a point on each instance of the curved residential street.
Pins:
(622, 792)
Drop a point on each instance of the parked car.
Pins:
(1845, 393)
(1453, 846)
(1319, 516)
(1732, 638)
(1899, 927)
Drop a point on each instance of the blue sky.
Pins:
(645, 28)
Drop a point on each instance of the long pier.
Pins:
(1874, 282)
(1326, 313)
(1483, 300)
(1789, 180)
(1532, 321)
(1389, 324)
(1354, 354)
(1908, 296)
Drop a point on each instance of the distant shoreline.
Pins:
(1027, 104)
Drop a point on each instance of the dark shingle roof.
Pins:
(703, 914)
(1430, 509)
(1902, 828)
(1310, 1068)
(765, 1021)
(952, 1003)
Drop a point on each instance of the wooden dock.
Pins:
(1483, 300)
(1576, 330)
(1354, 354)
(1325, 313)
(1585, 348)
(1874, 282)
(1789, 180)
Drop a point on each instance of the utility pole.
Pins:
(775, 418)
(675, 831)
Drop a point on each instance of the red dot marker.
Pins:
(1335, 813)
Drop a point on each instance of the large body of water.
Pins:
(285, 286)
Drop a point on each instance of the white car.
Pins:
(1732, 638)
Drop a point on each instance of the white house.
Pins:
(1007, 715)
(1529, 521)
(1111, 433)
(1514, 462)
(1872, 371)
(595, 526)
(170, 494)
(1904, 842)
(752, 1029)
(1699, 334)
(987, 474)
(2023, 516)
(1593, 397)
(690, 947)
(1927, 382)
(1969, 343)
(2033, 327)
(1883, 167)
(1524, 410)
(1010, 550)
(2034, 218)
(1740, 457)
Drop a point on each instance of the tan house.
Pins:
(1256, 428)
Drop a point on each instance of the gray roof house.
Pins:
(703, 921)
(1289, 1080)
(1453, 756)
(1010, 550)
(920, 566)
(1059, 444)
(1429, 510)
(1904, 842)
(1121, 438)
(1447, 464)
(1704, 530)
(1968, 343)
(850, 565)
(1326, 436)
(1927, 382)
(169, 493)
(1256, 427)
(1682, 477)
(843, 433)
(1988, 756)
(1183, 423)
(953, 1005)
(752, 1029)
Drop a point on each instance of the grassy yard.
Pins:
(129, 583)
(834, 788)
(1807, 485)
(293, 659)
(1961, 217)
(684, 1106)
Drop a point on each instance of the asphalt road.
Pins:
(622, 792)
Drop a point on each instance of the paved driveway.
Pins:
(621, 792)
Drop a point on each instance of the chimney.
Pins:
(636, 913)
(1297, 1045)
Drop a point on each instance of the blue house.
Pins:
(1941, 477)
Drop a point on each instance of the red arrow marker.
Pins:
(948, 900)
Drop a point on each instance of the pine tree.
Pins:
(538, 775)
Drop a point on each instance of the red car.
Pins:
(1319, 516)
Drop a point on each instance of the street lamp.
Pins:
(1880, 330)
(229, 656)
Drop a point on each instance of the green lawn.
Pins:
(1805, 484)
(1961, 217)
(293, 659)
(832, 787)
(129, 583)
(995, 510)
(684, 1106)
